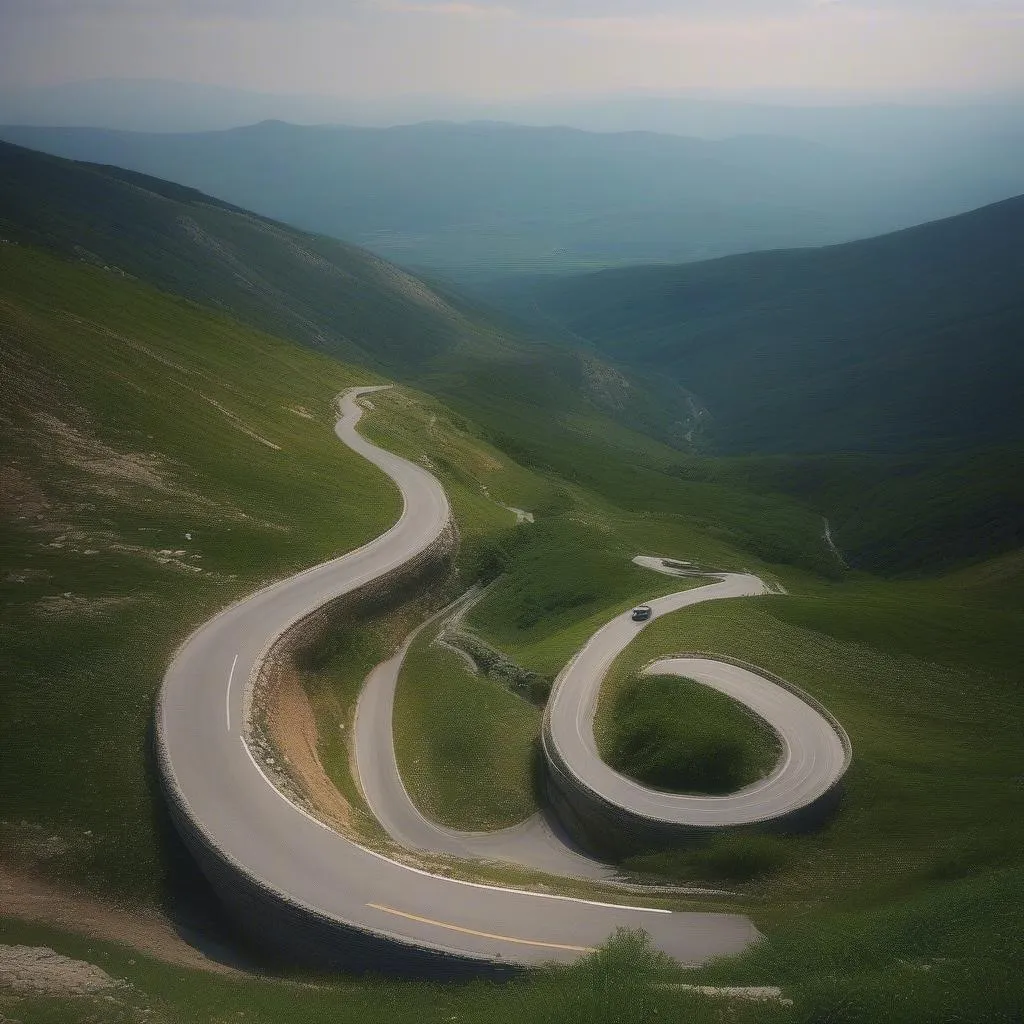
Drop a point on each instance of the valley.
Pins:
(168, 449)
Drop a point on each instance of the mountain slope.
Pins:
(910, 341)
(489, 196)
(318, 290)
(327, 295)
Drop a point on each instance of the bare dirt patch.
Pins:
(98, 459)
(37, 970)
(292, 730)
(30, 898)
(67, 604)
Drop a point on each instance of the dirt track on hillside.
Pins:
(29, 898)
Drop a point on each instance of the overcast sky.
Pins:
(508, 49)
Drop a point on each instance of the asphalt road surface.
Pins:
(218, 783)
(539, 842)
(813, 760)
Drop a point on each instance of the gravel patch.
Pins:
(37, 970)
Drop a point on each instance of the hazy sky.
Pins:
(504, 49)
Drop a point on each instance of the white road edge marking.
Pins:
(444, 878)
(227, 695)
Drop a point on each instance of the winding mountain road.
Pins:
(539, 842)
(815, 753)
(217, 788)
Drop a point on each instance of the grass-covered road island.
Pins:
(676, 734)
(465, 744)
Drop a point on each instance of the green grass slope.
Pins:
(157, 462)
(160, 460)
(878, 383)
(900, 514)
(626, 983)
(675, 734)
(133, 418)
(906, 907)
(317, 290)
(466, 742)
(925, 678)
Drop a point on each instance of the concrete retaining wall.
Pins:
(300, 935)
(608, 830)
(295, 933)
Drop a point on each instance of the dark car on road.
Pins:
(641, 613)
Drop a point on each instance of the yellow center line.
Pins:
(483, 935)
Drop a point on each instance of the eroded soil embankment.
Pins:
(282, 730)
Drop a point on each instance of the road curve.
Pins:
(539, 842)
(217, 790)
(815, 756)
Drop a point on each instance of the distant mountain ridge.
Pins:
(465, 198)
(909, 341)
(162, 105)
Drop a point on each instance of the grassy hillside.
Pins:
(901, 343)
(678, 735)
(133, 419)
(465, 744)
(878, 383)
(894, 514)
(905, 907)
(554, 408)
(625, 984)
(157, 461)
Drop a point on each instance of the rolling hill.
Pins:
(157, 459)
(563, 408)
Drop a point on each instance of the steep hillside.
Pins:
(158, 460)
(329, 296)
(466, 198)
(318, 290)
(910, 341)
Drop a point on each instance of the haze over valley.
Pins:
(473, 199)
